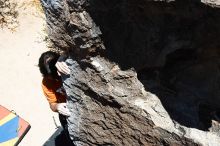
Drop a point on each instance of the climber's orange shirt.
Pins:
(53, 90)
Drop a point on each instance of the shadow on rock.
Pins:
(165, 43)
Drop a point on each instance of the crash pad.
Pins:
(13, 128)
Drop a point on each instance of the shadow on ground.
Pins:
(59, 138)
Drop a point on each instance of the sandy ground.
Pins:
(20, 79)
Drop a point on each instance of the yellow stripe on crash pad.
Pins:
(7, 118)
(9, 142)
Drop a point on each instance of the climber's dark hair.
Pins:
(47, 63)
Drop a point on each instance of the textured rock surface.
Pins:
(213, 3)
(174, 48)
(104, 102)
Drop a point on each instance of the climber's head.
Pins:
(47, 63)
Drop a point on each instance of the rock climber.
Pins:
(50, 69)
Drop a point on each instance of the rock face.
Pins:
(167, 81)
(104, 103)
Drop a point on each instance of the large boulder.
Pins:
(142, 72)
